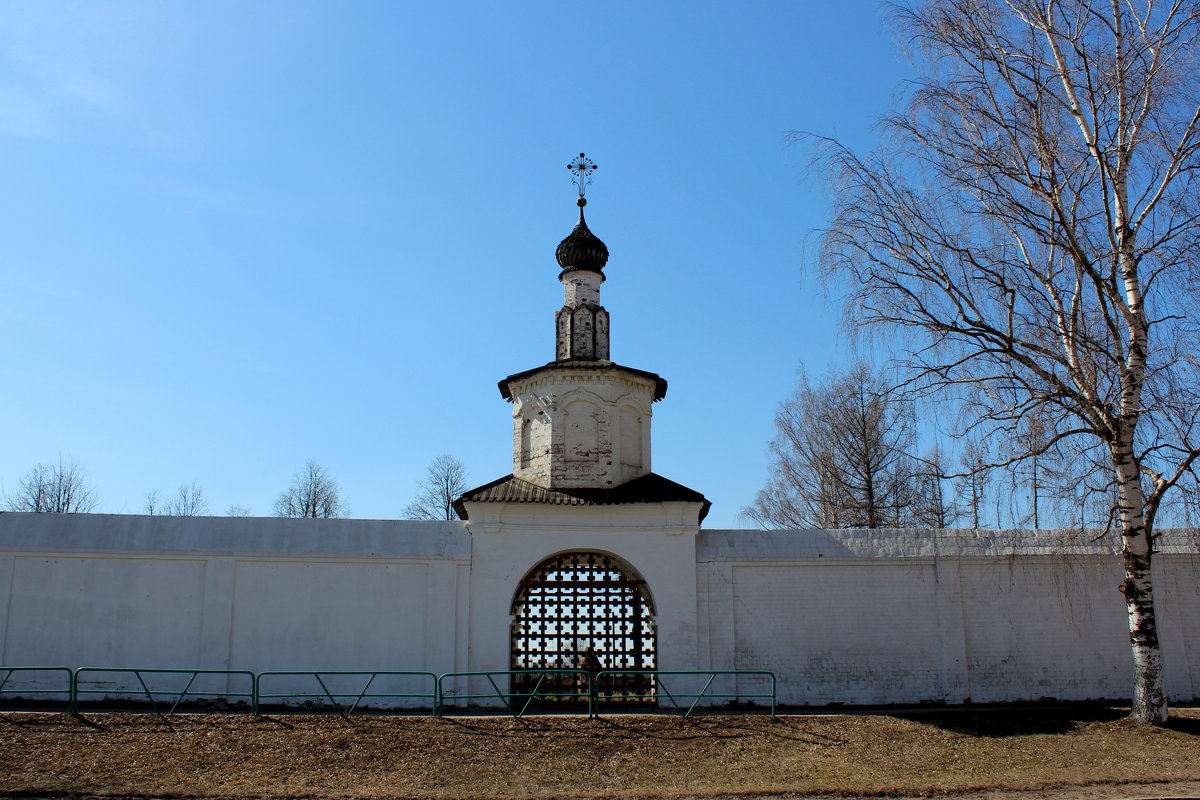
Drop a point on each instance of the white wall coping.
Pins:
(886, 543)
(140, 533)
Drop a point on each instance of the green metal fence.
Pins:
(326, 681)
(519, 692)
(662, 689)
(84, 682)
(543, 684)
(65, 689)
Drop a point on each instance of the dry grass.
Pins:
(122, 755)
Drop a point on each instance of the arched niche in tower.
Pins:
(583, 332)
(601, 334)
(534, 437)
(581, 430)
(632, 445)
(526, 444)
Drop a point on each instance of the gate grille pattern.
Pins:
(583, 611)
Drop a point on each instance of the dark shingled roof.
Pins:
(660, 383)
(646, 489)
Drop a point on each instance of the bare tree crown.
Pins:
(841, 458)
(444, 481)
(60, 488)
(189, 501)
(312, 494)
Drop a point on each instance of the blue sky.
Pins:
(237, 236)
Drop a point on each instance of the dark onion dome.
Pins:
(582, 249)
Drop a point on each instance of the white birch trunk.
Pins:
(1149, 696)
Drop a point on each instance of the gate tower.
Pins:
(582, 503)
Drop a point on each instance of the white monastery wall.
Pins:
(254, 594)
(851, 617)
(915, 617)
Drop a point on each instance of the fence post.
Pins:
(72, 693)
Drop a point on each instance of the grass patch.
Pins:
(901, 754)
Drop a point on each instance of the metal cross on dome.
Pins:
(583, 167)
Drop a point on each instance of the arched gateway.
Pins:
(584, 610)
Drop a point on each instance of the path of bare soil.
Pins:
(1081, 753)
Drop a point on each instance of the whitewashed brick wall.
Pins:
(885, 617)
(850, 617)
(98, 590)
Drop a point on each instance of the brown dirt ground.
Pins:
(1082, 753)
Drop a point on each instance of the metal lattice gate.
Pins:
(583, 611)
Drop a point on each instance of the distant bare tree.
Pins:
(1044, 483)
(57, 488)
(1034, 224)
(840, 457)
(930, 509)
(802, 489)
(973, 481)
(238, 510)
(444, 481)
(188, 502)
(312, 494)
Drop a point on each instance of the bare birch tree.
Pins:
(312, 494)
(60, 488)
(444, 481)
(840, 457)
(1035, 223)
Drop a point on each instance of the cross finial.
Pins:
(583, 168)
